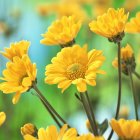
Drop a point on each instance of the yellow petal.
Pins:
(26, 82)
(2, 118)
(29, 137)
(16, 97)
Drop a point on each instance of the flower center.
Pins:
(75, 71)
(21, 78)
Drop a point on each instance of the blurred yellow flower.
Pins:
(124, 111)
(89, 137)
(62, 32)
(3, 27)
(16, 49)
(51, 133)
(80, 2)
(126, 129)
(46, 9)
(2, 118)
(134, 25)
(127, 52)
(101, 6)
(74, 65)
(127, 58)
(28, 129)
(18, 76)
(110, 24)
(130, 5)
(74, 9)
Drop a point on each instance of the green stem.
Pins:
(136, 74)
(48, 105)
(51, 113)
(120, 81)
(92, 114)
(87, 110)
(134, 94)
(119, 86)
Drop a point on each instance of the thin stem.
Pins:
(119, 86)
(136, 74)
(120, 81)
(134, 94)
(48, 104)
(92, 114)
(86, 107)
(51, 113)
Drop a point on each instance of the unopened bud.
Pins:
(29, 129)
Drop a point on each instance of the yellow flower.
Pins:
(16, 49)
(110, 24)
(134, 25)
(80, 2)
(89, 137)
(51, 133)
(74, 65)
(127, 58)
(62, 31)
(46, 9)
(18, 76)
(124, 111)
(126, 52)
(74, 9)
(101, 6)
(3, 27)
(2, 118)
(126, 129)
(28, 129)
(130, 5)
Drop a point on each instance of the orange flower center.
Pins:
(75, 71)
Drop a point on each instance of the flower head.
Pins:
(74, 9)
(62, 32)
(28, 129)
(74, 65)
(18, 76)
(89, 137)
(16, 49)
(110, 24)
(124, 112)
(134, 25)
(2, 118)
(51, 133)
(127, 59)
(126, 129)
(46, 9)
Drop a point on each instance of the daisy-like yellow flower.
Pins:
(89, 137)
(16, 49)
(28, 129)
(62, 32)
(127, 58)
(2, 118)
(110, 24)
(18, 76)
(126, 129)
(134, 25)
(51, 133)
(74, 65)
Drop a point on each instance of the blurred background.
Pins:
(27, 20)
